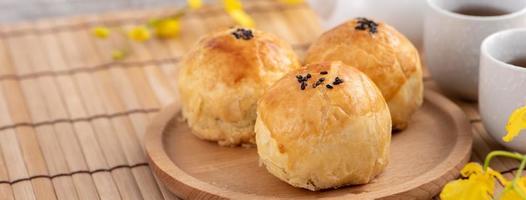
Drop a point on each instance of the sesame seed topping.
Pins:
(329, 86)
(337, 81)
(299, 78)
(303, 85)
(242, 33)
(323, 72)
(303, 80)
(364, 24)
(319, 82)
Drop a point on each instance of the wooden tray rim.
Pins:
(163, 166)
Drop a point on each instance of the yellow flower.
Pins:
(479, 185)
(514, 191)
(139, 33)
(118, 54)
(292, 1)
(231, 5)
(100, 32)
(242, 18)
(195, 4)
(475, 168)
(167, 28)
(235, 10)
(516, 123)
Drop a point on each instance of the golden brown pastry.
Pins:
(222, 77)
(323, 126)
(385, 55)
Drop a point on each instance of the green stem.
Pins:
(518, 177)
(493, 154)
(521, 168)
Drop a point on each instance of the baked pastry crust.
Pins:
(319, 138)
(222, 77)
(385, 55)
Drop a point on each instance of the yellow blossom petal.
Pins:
(235, 10)
(100, 32)
(292, 1)
(242, 18)
(118, 54)
(139, 33)
(498, 176)
(516, 123)
(475, 169)
(515, 192)
(168, 28)
(470, 169)
(231, 5)
(478, 186)
(195, 4)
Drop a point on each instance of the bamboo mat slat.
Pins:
(72, 119)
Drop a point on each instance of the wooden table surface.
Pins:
(72, 119)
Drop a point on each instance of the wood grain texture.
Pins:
(72, 119)
(84, 114)
(423, 158)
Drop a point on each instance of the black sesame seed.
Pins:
(364, 24)
(323, 72)
(242, 33)
(308, 76)
(319, 82)
(299, 78)
(337, 81)
(329, 86)
(235, 35)
(303, 85)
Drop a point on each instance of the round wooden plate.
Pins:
(423, 158)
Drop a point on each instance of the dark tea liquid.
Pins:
(480, 11)
(519, 62)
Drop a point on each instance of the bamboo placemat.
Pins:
(72, 119)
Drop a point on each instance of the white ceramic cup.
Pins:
(452, 41)
(502, 87)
